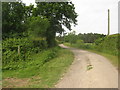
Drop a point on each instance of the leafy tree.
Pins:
(62, 13)
(37, 26)
(12, 17)
(28, 11)
(90, 37)
(71, 37)
(16, 16)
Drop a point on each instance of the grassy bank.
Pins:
(113, 59)
(37, 75)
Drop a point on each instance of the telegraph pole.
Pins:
(108, 22)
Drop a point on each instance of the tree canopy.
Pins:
(62, 13)
(12, 17)
(16, 16)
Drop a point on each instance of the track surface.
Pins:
(89, 70)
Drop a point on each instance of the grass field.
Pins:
(35, 76)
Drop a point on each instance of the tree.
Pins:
(90, 37)
(28, 11)
(12, 17)
(62, 13)
(71, 38)
(37, 26)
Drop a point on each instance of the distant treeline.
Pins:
(90, 37)
(99, 42)
(86, 37)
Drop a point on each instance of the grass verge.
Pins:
(35, 76)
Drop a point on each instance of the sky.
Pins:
(93, 16)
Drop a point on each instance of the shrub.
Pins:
(109, 44)
(50, 55)
(79, 42)
(27, 48)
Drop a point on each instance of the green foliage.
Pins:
(37, 26)
(71, 38)
(109, 44)
(87, 38)
(12, 17)
(28, 31)
(58, 14)
(44, 20)
(98, 41)
(41, 76)
(27, 48)
(87, 46)
(50, 54)
(62, 13)
(84, 45)
(79, 42)
(90, 37)
(28, 11)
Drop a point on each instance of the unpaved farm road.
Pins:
(89, 70)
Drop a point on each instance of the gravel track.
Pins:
(89, 70)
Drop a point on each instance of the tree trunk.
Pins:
(50, 38)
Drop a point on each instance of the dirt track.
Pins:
(89, 70)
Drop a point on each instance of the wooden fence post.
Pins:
(18, 50)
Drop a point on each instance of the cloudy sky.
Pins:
(93, 15)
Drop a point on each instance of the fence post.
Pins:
(18, 50)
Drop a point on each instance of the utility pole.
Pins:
(108, 22)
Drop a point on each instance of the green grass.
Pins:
(112, 58)
(45, 76)
(68, 44)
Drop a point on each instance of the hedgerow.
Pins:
(108, 44)
(20, 49)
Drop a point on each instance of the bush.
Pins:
(36, 59)
(82, 45)
(52, 53)
(109, 44)
(79, 42)
(27, 48)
